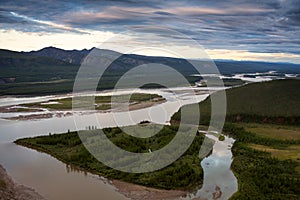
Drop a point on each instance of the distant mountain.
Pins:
(52, 64)
(16, 59)
(231, 67)
(50, 56)
(69, 56)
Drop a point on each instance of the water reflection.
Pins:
(50, 178)
(219, 181)
(72, 168)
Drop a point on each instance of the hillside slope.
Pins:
(275, 101)
(275, 98)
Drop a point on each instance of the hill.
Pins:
(275, 98)
(275, 102)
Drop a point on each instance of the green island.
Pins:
(101, 102)
(263, 118)
(185, 173)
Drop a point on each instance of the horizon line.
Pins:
(198, 59)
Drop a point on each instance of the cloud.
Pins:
(246, 25)
(46, 23)
(246, 55)
(27, 41)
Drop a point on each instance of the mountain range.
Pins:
(57, 66)
(56, 56)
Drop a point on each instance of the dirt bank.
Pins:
(10, 190)
(137, 192)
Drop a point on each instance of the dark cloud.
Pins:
(254, 25)
(163, 13)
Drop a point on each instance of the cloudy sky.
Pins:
(226, 29)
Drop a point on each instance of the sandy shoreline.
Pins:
(138, 192)
(10, 190)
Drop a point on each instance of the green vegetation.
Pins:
(101, 102)
(62, 86)
(291, 152)
(25, 110)
(274, 102)
(264, 119)
(273, 131)
(221, 138)
(33, 88)
(185, 173)
(262, 174)
(262, 177)
(250, 137)
(271, 172)
(274, 99)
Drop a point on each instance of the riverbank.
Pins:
(10, 190)
(137, 192)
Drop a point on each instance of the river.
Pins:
(219, 181)
(54, 180)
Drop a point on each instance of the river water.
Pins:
(217, 173)
(54, 180)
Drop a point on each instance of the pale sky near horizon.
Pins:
(248, 30)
